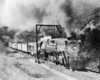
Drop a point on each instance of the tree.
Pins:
(55, 33)
(11, 33)
(26, 36)
(92, 43)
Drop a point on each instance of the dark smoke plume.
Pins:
(68, 10)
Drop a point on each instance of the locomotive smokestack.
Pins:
(68, 30)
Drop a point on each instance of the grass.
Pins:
(16, 66)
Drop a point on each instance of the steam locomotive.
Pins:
(62, 51)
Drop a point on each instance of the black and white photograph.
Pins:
(49, 39)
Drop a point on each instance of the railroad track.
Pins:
(63, 72)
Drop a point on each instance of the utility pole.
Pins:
(37, 53)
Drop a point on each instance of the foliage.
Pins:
(91, 43)
(55, 33)
(11, 33)
(6, 35)
(26, 36)
(95, 15)
(91, 38)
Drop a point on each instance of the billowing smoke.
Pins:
(67, 8)
(25, 14)
(22, 14)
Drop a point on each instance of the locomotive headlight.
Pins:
(72, 48)
(79, 41)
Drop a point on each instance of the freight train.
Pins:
(59, 50)
(25, 47)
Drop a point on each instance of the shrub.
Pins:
(91, 45)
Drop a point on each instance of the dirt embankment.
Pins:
(8, 71)
(16, 66)
(77, 74)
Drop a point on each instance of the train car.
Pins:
(16, 45)
(10, 44)
(13, 45)
(19, 45)
(32, 48)
(24, 47)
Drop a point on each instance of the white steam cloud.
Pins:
(25, 14)
(22, 14)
